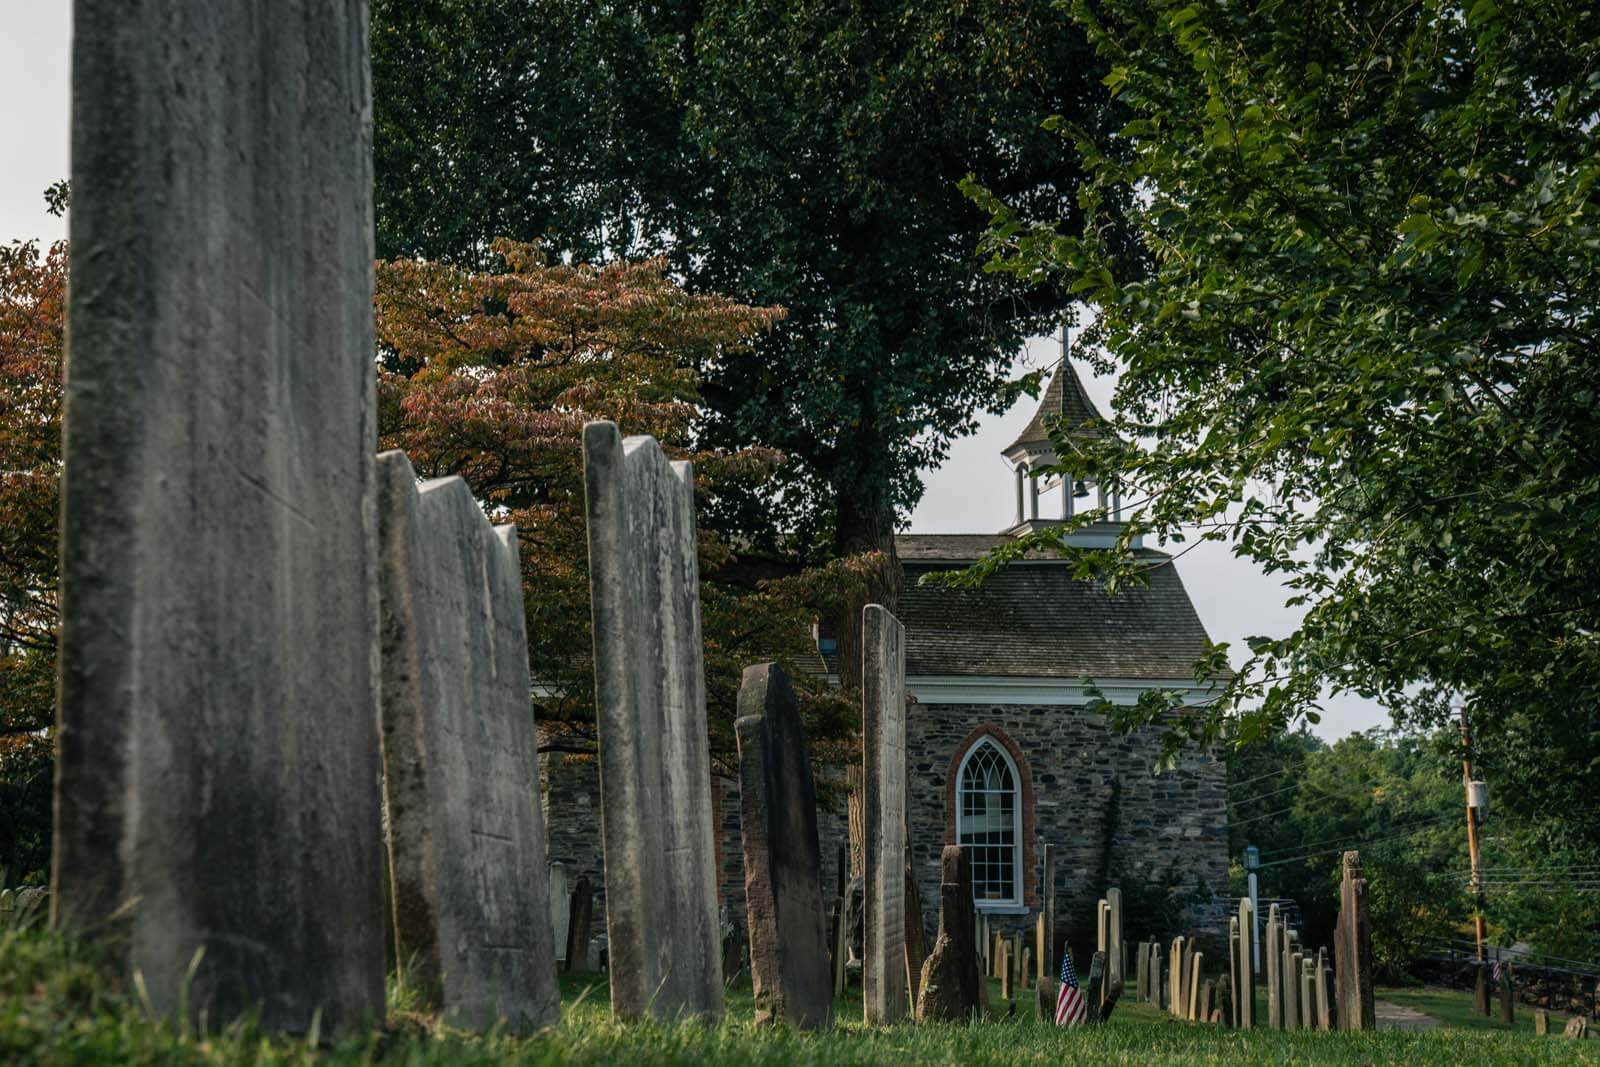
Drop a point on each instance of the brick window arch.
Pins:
(989, 808)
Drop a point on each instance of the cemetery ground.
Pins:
(54, 1011)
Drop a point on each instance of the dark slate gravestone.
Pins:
(663, 938)
(950, 975)
(1091, 992)
(217, 775)
(580, 923)
(1480, 988)
(466, 837)
(1352, 950)
(782, 860)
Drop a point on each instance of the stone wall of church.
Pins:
(1175, 821)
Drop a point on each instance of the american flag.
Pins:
(1071, 1007)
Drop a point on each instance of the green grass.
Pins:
(53, 1011)
(1455, 1009)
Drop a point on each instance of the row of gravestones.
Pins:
(1301, 992)
(1503, 978)
(242, 580)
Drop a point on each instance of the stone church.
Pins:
(1002, 754)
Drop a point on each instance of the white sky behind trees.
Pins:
(973, 492)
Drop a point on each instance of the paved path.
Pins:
(1393, 1016)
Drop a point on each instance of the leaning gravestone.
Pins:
(1352, 950)
(782, 858)
(580, 923)
(883, 722)
(664, 942)
(217, 774)
(466, 838)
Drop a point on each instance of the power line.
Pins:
(1431, 821)
(1358, 844)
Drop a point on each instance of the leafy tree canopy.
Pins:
(1358, 342)
(32, 317)
(491, 376)
(799, 154)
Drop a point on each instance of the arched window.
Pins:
(989, 823)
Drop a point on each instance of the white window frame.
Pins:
(1012, 903)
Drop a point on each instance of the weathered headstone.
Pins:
(1208, 1001)
(1291, 987)
(1095, 987)
(1227, 1004)
(580, 923)
(560, 893)
(782, 857)
(1541, 1022)
(1114, 954)
(841, 946)
(1480, 988)
(1156, 984)
(733, 950)
(1352, 950)
(1142, 972)
(1049, 961)
(217, 767)
(1233, 958)
(1188, 978)
(1308, 994)
(1025, 976)
(916, 951)
(1508, 995)
(650, 707)
(1577, 1027)
(883, 731)
(1048, 993)
(1175, 977)
(1324, 989)
(1006, 991)
(466, 837)
(1245, 991)
(1192, 988)
(1273, 951)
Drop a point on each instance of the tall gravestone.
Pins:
(782, 857)
(217, 774)
(883, 731)
(1508, 998)
(1114, 953)
(1352, 950)
(580, 924)
(1244, 993)
(1273, 952)
(560, 908)
(664, 939)
(1049, 963)
(466, 837)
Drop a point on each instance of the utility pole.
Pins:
(1474, 792)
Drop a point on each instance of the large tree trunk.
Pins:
(864, 522)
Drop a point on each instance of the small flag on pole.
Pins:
(1071, 1006)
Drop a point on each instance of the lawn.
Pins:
(54, 1012)
(1454, 1008)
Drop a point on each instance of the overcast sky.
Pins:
(972, 493)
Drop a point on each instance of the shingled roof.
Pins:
(1034, 620)
(1064, 400)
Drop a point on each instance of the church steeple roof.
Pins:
(1064, 401)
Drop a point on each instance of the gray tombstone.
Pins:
(1508, 995)
(782, 858)
(1352, 950)
(1114, 954)
(1049, 962)
(1290, 970)
(1272, 950)
(217, 774)
(663, 937)
(1480, 988)
(466, 837)
(560, 894)
(1142, 972)
(883, 729)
